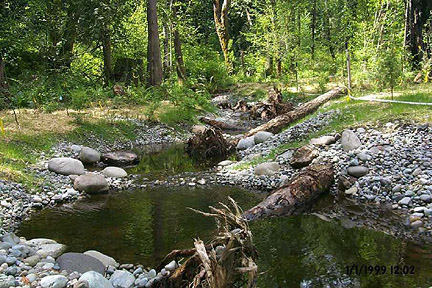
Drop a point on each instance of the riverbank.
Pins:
(386, 164)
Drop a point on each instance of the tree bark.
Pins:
(106, 48)
(166, 44)
(180, 68)
(417, 13)
(220, 12)
(69, 36)
(3, 84)
(277, 124)
(297, 195)
(154, 62)
(313, 27)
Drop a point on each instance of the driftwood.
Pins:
(220, 125)
(210, 144)
(227, 261)
(295, 196)
(277, 124)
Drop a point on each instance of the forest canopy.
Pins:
(63, 53)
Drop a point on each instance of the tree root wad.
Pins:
(227, 261)
(209, 144)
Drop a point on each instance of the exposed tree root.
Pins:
(210, 144)
(227, 261)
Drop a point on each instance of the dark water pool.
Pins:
(142, 226)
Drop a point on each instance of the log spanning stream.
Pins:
(143, 225)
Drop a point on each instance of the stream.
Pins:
(143, 225)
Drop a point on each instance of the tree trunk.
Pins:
(180, 68)
(106, 48)
(166, 44)
(220, 12)
(154, 62)
(3, 84)
(69, 36)
(297, 195)
(417, 13)
(313, 27)
(277, 124)
(327, 31)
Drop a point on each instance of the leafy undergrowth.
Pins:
(359, 113)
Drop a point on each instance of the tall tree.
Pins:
(181, 72)
(417, 13)
(220, 12)
(154, 62)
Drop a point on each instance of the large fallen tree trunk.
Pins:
(295, 196)
(277, 124)
(221, 125)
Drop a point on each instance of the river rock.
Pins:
(95, 280)
(66, 166)
(53, 250)
(267, 168)
(106, 260)
(349, 140)
(54, 281)
(225, 163)
(120, 158)
(32, 260)
(80, 263)
(405, 201)
(114, 172)
(303, 156)
(91, 183)
(323, 140)
(122, 279)
(246, 143)
(39, 241)
(11, 238)
(89, 155)
(358, 171)
(262, 136)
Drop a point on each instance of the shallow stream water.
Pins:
(142, 226)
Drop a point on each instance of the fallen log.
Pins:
(295, 196)
(221, 125)
(277, 124)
